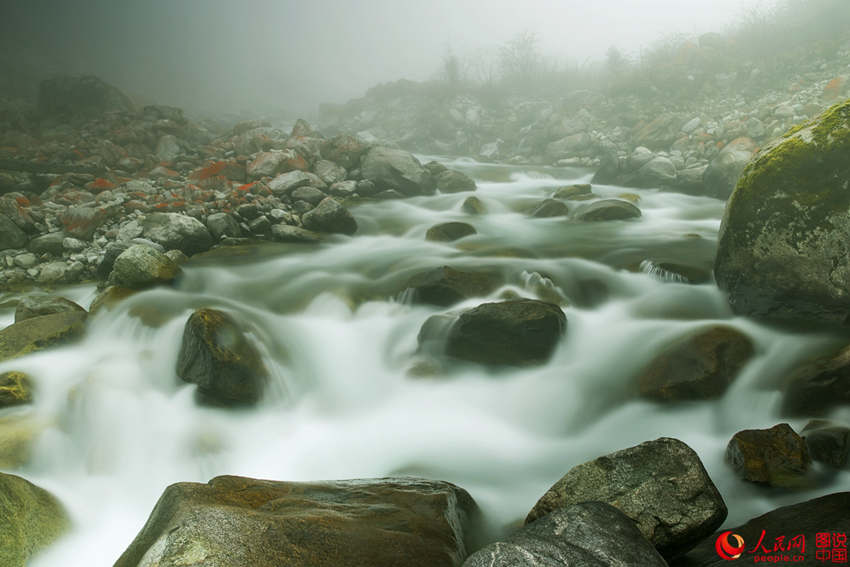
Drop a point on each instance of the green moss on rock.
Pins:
(32, 518)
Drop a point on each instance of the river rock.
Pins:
(286, 182)
(174, 231)
(309, 194)
(451, 181)
(396, 169)
(698, 367)
(32, 519)
(657, 172)
(775, 456)
(514, 333)
(10, 235)
(784, 251)
(446, 286)
(330, 216)
(82, 221)
(51, 243)
(168, 148)
(661, 485)
(606, 210)
(577, 192)
(294, 234)
(549, 208)
(234, 521)
(589, 533)
(141, 266)
(217, 356)
(472, 205)
(329, 172)
(828, 442)
(36, 305)
(40, 333)
(269, 164)
(15, 389)
(722, 173)
(223, 224)
(827, 514)
(449, 231)
(818, 386)
(344, 149)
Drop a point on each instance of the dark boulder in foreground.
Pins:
(589, 533)
(661, 485)
(775, 456)
(446, 286)
(549, 208)
(827, 514)
(784, 251)
(233, 521)
(32, 519)
(514, 333)
(698, 367)
(217, 356)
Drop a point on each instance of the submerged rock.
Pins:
(39, 333)
(574, 192)
(217, 356)
(449, 231)
(661, 485)
(784, 247)
(446, 286)
(294, 234)
(550, 208)
(775, 456)
(607, 210)
(15, 389)
(588, 533)
(698, 367)
(32, 519)
(234, 521)
(472, 205)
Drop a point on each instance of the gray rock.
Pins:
(722, 173)
(294, 234)
(550, 208)
(73, 245)
(389, 168)
(37, 305)
(168, 148)
(10, 235)
(53, 272)
(657, 172)
(691, 125)
(286, 182)
(26, 260)
(260, 225)
(828, 442)
(177, 257)
(50, 243)
(639, 157)
(269, 164)
(451, 181)
(775, 456)
(449, 231)
(568, 146)
(82, 222)
(473, 206)
(329, 172)
(330, 216)
(586, 534)
(113, 250)
(343, 188)
(661, 485)
(177, 231)
(446, 286)
(223, 224)
(606, 210)
(309, 194)
(141, 266)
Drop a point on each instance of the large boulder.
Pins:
(217, 356)
(722, 174)
(799, 524)
(37, 305)
(11, 236)
(396, 169)
(661, 485)
(330, 216)
(775, 456)
(141, 266)
(234, 521)
(657, 172)
(784, 247)
(515, 333)
(697, 367)
(344, 150)
(39, 333)
(589, 533)
(285, 183)
(32, 519)
(69, 97)
(175, 231)
(607, 210)
(818, 386)
(451, 181)
(446, 286)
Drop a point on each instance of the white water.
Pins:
(121, 426)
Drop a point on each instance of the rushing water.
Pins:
(118, 426)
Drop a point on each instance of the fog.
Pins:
(287, 56)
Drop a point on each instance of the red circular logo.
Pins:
(729, 546)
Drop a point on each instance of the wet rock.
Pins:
(549, 208)
(69, 97)
(574, 192)
(15, 389)
(294, 234)
(284, 183)
(37, 305)
(32, 519)
(775, 456)
(344, 149)
(329, 172)
(217, 356)
(827, 514)
(241, 521)
(658, 172)
(514, 333)
(722, 173)
(395, 169)
(177, 257)
(10, 235)
(473, 206)
(828, 442)
(308, 194)
(698, 367)
(661, 485)
(451, 181)
(50, 243)
(818, 386)
(330, 216)
(606, 210)
(449, 231)
(446, 286)
(639, 157)
(109, 298)
(223, 224)
(589, 533)
(39, 333)
(174, 231)
(142, 266)
(784, 250)
(343, 188)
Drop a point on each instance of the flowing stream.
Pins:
(118, 426)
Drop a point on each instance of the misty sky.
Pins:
(289, 55)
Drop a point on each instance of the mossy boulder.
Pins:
(32, 518)
(15, 389)
(218, 357)
(39, 333)
(37, 305)
(142, 266)
(234, 521)
(784, 247)
(774, 457)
